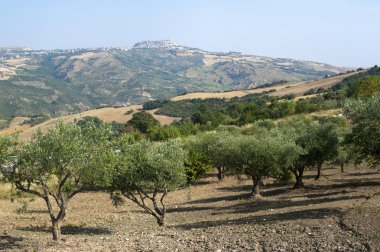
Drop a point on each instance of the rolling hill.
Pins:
(61, 82)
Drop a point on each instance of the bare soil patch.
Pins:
(340, 212)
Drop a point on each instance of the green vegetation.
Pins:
(365, 136)
(58, 165)
(210, 113)
(143, 121)
(148, 172)
(361, 85)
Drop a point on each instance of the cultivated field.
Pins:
(340, 212)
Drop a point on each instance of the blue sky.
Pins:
(339, 32)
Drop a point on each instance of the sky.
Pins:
(337, 32)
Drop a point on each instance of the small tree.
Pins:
(223, 150)
(197, 162)
(158, 133)
(56, 165)
(143, 121)
(323, 146)
(345, 151)
(297, 130)
(265, 156)
(146, 172)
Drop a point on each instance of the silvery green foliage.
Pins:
(365, 117)
(267, 155)
(146, 172)
(60, 163)
(359, 110)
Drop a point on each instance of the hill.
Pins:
(60, 82)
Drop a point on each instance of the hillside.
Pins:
(59, 82)
(297, 89)
(122, 114)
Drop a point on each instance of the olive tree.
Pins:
(346, 152)
(322, 145)
(218, 147)
(365, 119)
(223, 151)
(146, 172)
(265, 156)
(57, 165)
(319, 141)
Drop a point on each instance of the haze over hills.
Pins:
(58, 82)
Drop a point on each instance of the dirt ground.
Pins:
(340, 212)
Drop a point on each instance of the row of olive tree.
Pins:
(68, 159)
(272, 151)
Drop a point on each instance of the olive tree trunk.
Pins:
(55, 220)
(256, 188)
(299, 178)
(56, 229)
(221, 173)
(319, 172)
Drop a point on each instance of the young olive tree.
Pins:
(265, 156)
(346, 152)
(297, 130)
(217, 146)
(322, 145)
(319, 141)
(57, 165)
(146, 172)
(223, 151)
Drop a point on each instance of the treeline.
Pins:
(362, 85)
(210, 113)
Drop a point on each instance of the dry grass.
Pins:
(17, 121)
(5, 190)
(14, 129)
